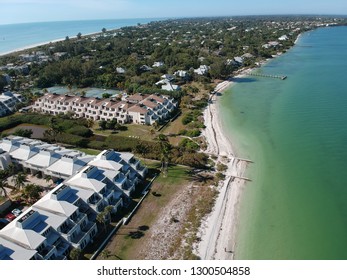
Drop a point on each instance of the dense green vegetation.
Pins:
(116, 59)
(181, 44)
(76, 133)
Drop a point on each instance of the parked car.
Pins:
(3, 223)
(16, 212)
(10, 217)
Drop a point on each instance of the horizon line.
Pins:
(178, 17)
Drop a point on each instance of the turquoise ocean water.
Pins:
(17, 36)
(296, 132)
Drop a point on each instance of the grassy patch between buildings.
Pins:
(92, 152)
(129, 239)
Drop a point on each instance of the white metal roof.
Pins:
(55, 206)
(106, 164)
(12, 251)
(43, 159)
(26, 238)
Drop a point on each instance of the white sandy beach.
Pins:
(218, 230)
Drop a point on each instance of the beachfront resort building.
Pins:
(137, 108)
(8, 102)
(65, 218)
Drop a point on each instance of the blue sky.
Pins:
(16, 11)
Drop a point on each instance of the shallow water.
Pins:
(295, 131)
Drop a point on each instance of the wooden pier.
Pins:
(244, 159)
(282, 77)
(242, 178)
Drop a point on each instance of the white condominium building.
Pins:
(137, 108)
(8, 102)
(65, 218)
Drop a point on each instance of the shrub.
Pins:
(80, 131)
(193, 133)
(187, 119)
(23, 132)
(221, 167)
(188, 145)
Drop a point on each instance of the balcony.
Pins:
(94, 200)
(67, 227)
(120, 180)
(116, 202)
(129, 187)
(79, 218)
(61, 246)
(87, 227)
(79, 238)
(72, 230)
(47, 251)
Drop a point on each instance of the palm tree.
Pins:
(32, 192)
(3, 186)
(11, 169)
(19, 179)
(105, 254)
(54, 131)
(75, 254)
(104, 217)
(108, 211)
(48, 178)
(90, 123)
(4, 174)
(101, 219)
(165, 150)
(141, 148)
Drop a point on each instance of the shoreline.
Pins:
(36, 45)
(52, 42)
(218, 230)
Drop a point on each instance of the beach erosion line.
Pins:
(217, 233)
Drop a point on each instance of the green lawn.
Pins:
(176, 126)
(88, 151)
(143, 132)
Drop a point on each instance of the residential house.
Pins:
(120, 70)
(181, 74)
(158, 64)
(145, 68)
(202, 70)
(283, 38)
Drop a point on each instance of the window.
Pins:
(47, 232)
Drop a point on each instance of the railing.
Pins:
(80, 217)
(47, 252)
(67, 228)
(94, 200)
(71, 231)
(120, 180)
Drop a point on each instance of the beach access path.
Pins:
(218, 230)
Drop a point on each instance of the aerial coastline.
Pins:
(216, 236)
(218, 230)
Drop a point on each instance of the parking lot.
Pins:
(18, 205)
